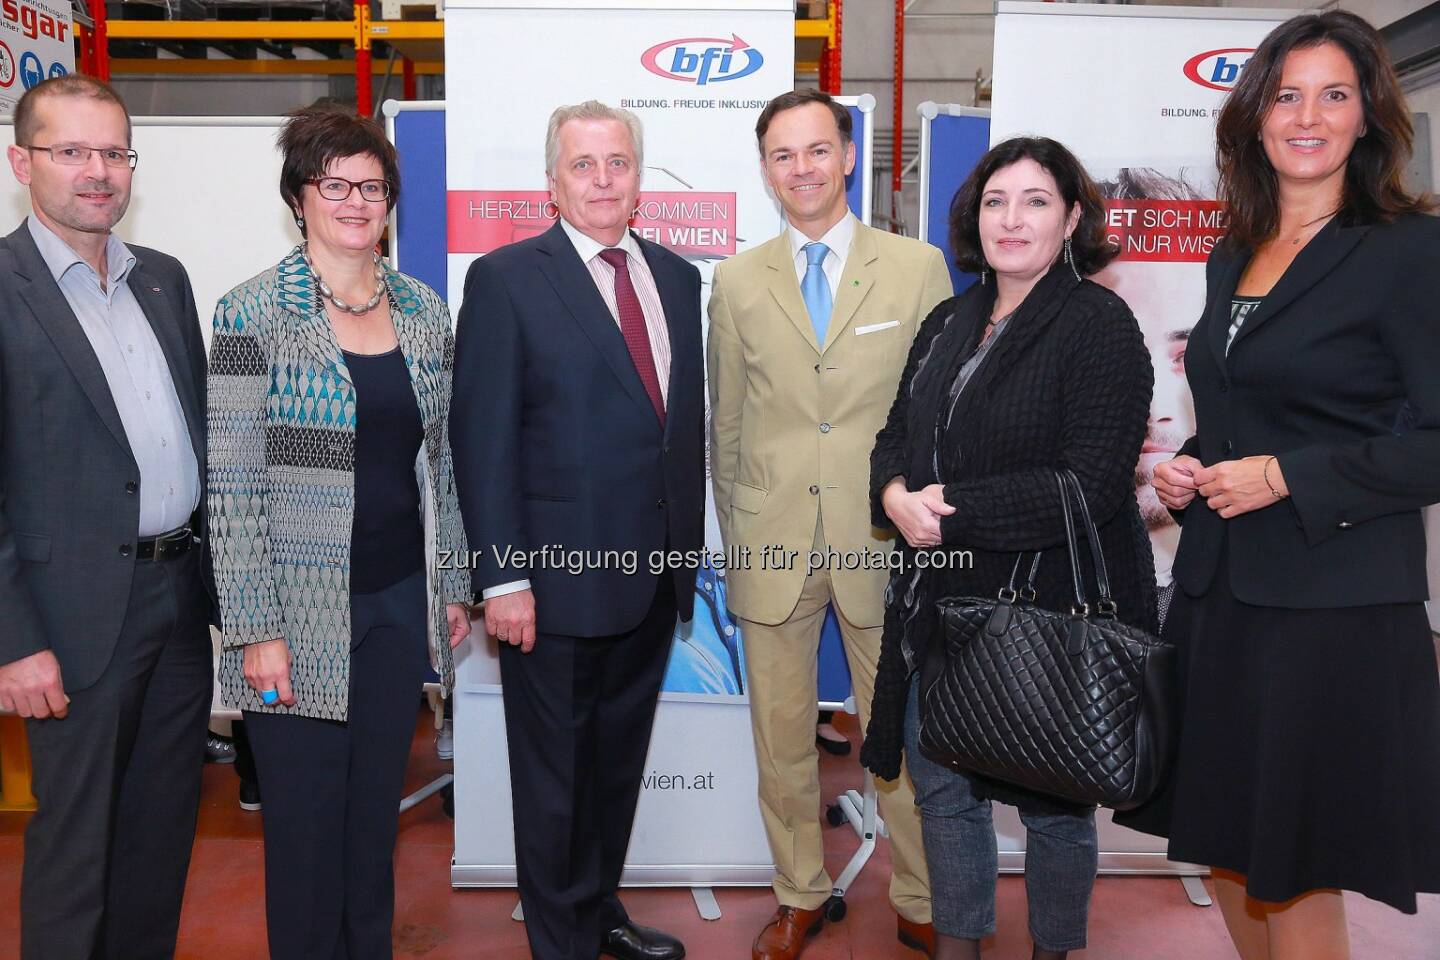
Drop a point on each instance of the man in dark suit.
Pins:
(105, 647)
(577, 425)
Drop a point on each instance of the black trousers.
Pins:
(332, 790)
(578, 713)
(118, 784)
(244, 755)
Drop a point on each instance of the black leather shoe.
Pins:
(634, 942)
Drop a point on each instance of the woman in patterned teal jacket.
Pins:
(332, 501)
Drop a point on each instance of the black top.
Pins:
(1067, 385)
(387, 539)
(1333, 373)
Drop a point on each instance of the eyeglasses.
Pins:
(338, 188)
(77, 155)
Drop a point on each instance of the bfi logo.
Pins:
(702, 60)
(1218, 69)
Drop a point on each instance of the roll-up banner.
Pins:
(1134, 92)
(420, 223)
(860, 184)
(953, 138)
(697, 74)
(417, 224)
(417, 247)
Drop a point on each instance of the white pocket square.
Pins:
(874, 327)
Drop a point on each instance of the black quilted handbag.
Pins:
(1075, 705)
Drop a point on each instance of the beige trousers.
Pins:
(781, 665)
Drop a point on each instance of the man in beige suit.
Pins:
(808, 336)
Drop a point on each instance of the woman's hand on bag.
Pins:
(1234, 487)
(916, 515)
(267, 667)
(1174, 481)
(457, 615)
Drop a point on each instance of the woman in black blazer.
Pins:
(1310, 749)
(1030, 371)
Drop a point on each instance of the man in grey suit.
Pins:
(104, 645)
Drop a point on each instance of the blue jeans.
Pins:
(1061, 854)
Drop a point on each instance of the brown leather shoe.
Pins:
(916, 936)
(786, 934)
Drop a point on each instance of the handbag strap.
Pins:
(1105, 606)
(1027, 592)
(1069, 488)
(1072, 501)
(1072, 549)
(1081, 606)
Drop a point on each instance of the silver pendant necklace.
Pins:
(358, 310)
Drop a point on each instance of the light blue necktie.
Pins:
(816, 290)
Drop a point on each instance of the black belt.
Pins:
(176, 543)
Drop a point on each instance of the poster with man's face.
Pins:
(1166, 326)
(1151, 212)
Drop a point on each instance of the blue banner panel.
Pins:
(855, 183)
(956, 145)
(420, 216)
(834, 670)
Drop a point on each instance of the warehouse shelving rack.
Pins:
(423, 38)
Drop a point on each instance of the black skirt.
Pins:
(1309, 753)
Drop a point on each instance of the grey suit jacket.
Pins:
(69, 503)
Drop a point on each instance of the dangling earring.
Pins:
(1070, 259)
(984, 272)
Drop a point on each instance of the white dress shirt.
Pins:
(137, 374)
(642, 280)
(838, 238)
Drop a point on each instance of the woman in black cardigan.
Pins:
(1309, 758)
(1030, 371)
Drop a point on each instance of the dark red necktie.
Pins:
(632, 327)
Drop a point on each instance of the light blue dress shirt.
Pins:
(138, 375)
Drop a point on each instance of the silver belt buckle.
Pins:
(167, 540)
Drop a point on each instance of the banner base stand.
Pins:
(706, 903)
(860, 811)
(636, 875)
(1120, 863)
(1195, 890)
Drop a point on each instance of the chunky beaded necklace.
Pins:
(359, 309)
